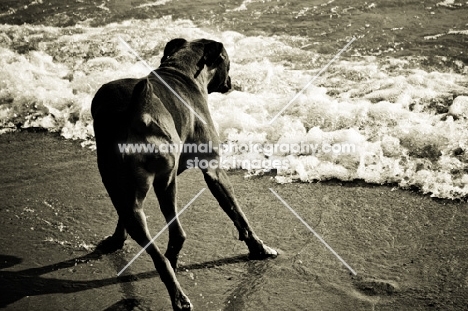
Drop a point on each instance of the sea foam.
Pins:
(397, 116)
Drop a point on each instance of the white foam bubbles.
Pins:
(399, 118)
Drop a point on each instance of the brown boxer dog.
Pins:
(150, 111)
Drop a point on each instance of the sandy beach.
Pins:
(409, 251)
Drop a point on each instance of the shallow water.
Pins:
(390, 95)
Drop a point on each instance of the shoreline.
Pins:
(269, 175)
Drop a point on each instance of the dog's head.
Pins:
(201, 53)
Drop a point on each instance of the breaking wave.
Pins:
(410, 126)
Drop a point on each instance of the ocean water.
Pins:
(399, 94)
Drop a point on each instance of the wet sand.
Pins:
(409, 251)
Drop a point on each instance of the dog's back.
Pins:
(128, 112)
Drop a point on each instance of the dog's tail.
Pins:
(142, 94)
(141, 106)
(150, 116)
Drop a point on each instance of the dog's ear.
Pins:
(212, 53)
(171, 47)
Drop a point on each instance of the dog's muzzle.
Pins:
(226, 86)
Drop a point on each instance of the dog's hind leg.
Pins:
(131, 213)
(166, 192)
(115, 186)
(115, 241)
(110, 166)
(221, 188)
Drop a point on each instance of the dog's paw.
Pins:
(110, 244)
(263, 252)
(182, 303)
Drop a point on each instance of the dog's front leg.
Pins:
(219, 185)
(166, 193)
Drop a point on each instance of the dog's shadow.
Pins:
(16, 285)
